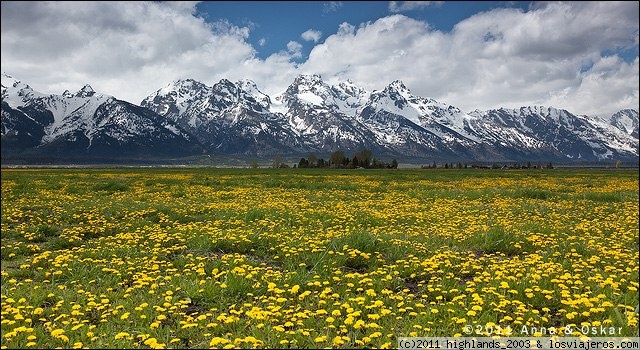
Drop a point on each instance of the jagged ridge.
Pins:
(85, 124)
(310, 116)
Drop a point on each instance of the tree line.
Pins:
(459, 165)
(338, 159)
(364, 159)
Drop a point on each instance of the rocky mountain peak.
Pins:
(247, 84)
(11, 82)
(8, 81)
(225, 86)
(250, 91)
(627, 121)
(86, 91)
(183, 86)
(399, 86)
(308, 79)
(351, 89)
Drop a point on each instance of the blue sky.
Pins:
(580, 56)
(279, 22)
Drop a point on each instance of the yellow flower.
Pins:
(218, 340)
(122, 335)
(57, 332)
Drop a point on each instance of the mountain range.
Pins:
(188, 118)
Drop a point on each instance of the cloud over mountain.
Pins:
(560, 54)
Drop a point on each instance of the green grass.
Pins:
(310, 258)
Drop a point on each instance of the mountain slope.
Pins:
(85, 124)
(226, 117)
(402, 121)
(548, 133)
(320, 115)
(626, 120)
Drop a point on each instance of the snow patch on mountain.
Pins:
(72, 113)
(311, 98)
(17, 93)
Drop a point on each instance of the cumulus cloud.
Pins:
(311, 35)
(401, 6)
(295, 49)
(125, 49)
(608, 86)
(505, 57)
(262, 41)
(557, 54)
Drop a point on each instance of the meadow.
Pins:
(304, 258)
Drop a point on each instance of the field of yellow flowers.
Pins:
(221, 258)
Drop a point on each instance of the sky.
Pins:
(579, 56)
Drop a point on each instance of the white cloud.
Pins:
(262, 41)
(311, 35)
(608, 86)
(499, 58)
(550, 55)
(401, 6)
(125, 49)
(295, 49)
(331, 6)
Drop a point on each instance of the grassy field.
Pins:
(199, 258)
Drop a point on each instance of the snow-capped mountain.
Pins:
(538, 131)
(312, 115)
(226, 117)
(410, 124)
(322, 116)
(347, 117)
(84, 123)
(187, 117)
(626, 120)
